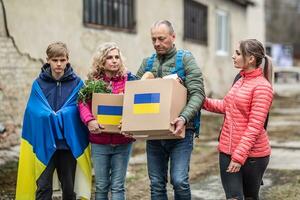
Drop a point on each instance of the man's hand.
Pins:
(147, 75)
(233, 167)
(129, 135)
(94, 127)
(179, 124)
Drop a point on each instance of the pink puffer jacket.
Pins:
(245, 107)
(118, 86)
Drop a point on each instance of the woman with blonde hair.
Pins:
(110, 152)
(243, 143)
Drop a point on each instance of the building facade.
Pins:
(210, 29)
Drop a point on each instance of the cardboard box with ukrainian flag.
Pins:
(107, 109)
(150, 106)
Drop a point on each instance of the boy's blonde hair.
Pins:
(99, 60)
(57, 49)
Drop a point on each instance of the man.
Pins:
(53, 136)
(178, 151)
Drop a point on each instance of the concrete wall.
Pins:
(17, 72)
(27, 28)
(33, 24)
(256, 21)
(219, 71)
(16, 76)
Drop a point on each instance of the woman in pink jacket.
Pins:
(244, 144)
(110, 152)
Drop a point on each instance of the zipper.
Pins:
(159, 69)
(58, 93)
(234, 95)
(59, 85)
(230, 144)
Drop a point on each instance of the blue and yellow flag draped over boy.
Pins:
(38, 142)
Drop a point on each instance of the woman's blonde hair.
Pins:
(99, 60)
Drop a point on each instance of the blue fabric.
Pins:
(57, 92)
(131, 77)
(150, 62)
(178, 151)
(179, 68)
(110, 165)
(42, 125)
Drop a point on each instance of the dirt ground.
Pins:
(8, 180)
(286, 183)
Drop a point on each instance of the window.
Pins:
(195, 21)
(115, 14)
(222, 42)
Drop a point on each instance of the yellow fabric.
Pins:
(27, 174)
(30, 169)
(83, 175)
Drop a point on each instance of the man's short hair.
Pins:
(165, 22)
(57, 49)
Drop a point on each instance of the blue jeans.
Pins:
(110, 166)
(178, 151)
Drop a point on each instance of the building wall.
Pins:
(34, 26)
(218, 70)
(16, 76)
(256, 21)
(26, 30)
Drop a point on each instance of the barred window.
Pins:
(115, 14)
(195, 21)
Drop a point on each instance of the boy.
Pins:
(53, 137)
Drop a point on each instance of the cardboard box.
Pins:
(107, 110)
(150, 106)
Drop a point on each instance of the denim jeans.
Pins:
(110, 166)
(178, 152)
(244, 184)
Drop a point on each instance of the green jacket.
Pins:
(163, 66)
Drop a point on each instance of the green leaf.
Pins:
(90, 87)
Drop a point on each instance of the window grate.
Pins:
(117, 14)
(195, 21)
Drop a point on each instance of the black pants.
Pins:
(244, 184)
(65, 164)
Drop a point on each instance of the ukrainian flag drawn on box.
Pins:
(146, 103)
(109, 115)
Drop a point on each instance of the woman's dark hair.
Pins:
(253, 47)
